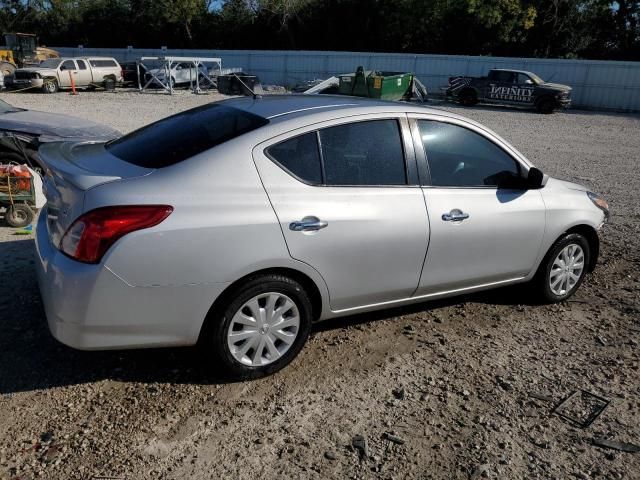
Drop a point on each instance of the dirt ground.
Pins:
(457, 389)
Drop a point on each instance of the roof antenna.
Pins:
(255, 95)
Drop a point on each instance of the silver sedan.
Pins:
(238, 224)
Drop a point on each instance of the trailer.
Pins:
(17, 195)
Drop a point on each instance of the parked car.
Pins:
(130, 73)
(180, 73)
(292, 210)
(56, 73)
(510, 87)
(23, 131)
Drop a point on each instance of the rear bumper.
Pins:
(88, 307)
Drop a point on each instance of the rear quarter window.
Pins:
(182, 136)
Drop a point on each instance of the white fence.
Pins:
(603, 85)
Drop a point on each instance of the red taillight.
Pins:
(91, 235)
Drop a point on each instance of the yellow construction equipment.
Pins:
(22, 50)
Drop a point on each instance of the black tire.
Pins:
(541, 281)
(213, 339)
(109, 84)
(18, 216)
(468, 97)
(50, 85)
(546, 105)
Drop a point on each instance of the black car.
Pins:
(130, 74)
(510, 87)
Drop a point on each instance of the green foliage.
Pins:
(543, 28)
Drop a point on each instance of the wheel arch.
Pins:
(305, 280)
(590, 233)
(469, 88)
(543, 97)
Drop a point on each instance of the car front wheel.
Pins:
(50, 86)
(264, 326)
(563, 268)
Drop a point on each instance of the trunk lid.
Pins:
(72, 169)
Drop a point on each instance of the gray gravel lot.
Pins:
(452, 379)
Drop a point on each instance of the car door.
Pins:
(83, 77)
(347, 197)
(67, 69)
(526, 86)
(482, 231)
(499, 88)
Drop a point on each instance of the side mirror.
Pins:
(534, 178)
(62, 68)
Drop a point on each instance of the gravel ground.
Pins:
(451, 380)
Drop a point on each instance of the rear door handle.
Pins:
(308, 224)
(455, 215)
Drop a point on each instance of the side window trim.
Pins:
(425, 178)
(408, 149)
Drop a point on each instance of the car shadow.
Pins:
(31, 359)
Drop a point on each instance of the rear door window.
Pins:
(182, 136)
(82, 65)
(363, 153)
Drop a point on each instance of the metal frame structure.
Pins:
(167, 63)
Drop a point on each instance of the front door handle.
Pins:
(308, 224)
(455, 215)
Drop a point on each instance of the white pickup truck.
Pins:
(56, 73)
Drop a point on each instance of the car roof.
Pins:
(286, 106)
(511, 70)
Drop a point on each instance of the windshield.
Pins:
(536, 79)
(181, 136)
(50, 63)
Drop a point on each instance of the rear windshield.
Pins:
(179, 137)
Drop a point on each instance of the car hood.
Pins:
(570, 185)
(556, 86)
(41, 71)
(54, 127)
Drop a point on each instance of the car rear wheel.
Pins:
(263, 327)
(50, 86)
(563, 268)
(468, 97)
(18, 216)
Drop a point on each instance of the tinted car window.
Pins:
(507, 77)
(82, 65)
(102, 63)
(68, 65)
(299, 156)
(176, 138)
(363, 153)
(524, 79)
(459, 157)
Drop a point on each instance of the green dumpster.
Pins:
(374, 84)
